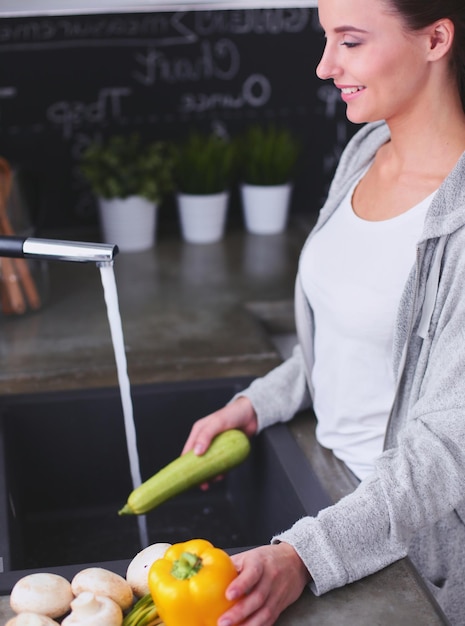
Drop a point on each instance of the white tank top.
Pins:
(353, 274)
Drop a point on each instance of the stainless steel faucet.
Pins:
(55, 249)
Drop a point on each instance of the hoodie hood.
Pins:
(447, 210)
(445, 216)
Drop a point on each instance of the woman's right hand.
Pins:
(238, 414)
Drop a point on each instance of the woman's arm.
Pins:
(278, 396)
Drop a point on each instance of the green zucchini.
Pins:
(227, 450)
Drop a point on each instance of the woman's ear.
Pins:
(441, 37)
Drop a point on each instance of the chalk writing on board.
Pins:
(259, 22)
(8, 92)
(255, 92)
(331, 158)
(216, 60)
(70, 115)
(160, 29)
(331, 97)
(159, 74)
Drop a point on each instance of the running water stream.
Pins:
(116, 328)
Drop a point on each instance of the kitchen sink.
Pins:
(64, 474)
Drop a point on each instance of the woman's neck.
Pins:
(423, 149)
(429, 139)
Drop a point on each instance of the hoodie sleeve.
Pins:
(419, 483)
(282, 393)
(416, 484)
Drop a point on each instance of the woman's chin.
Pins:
(358, 117)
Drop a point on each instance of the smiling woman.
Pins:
(365, 57)
(379, 306)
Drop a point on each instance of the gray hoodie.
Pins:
(413, 503)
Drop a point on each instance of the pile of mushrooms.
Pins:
(38, 598)
(95, 596)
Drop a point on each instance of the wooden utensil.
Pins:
(15, 273)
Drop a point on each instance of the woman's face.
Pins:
(379, 66)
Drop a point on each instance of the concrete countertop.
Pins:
(193, 312)
(183, 310)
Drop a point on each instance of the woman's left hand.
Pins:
(270, 579)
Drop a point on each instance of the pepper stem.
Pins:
(186, 566)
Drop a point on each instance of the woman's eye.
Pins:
(349, 44)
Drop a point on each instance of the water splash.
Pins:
(116, 328)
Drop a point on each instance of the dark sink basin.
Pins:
(64, 473)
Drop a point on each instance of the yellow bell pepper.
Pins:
(188, 584)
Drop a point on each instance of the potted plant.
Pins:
(203, 174)
(267, 157)
(130, 178)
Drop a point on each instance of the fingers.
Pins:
(202, 433)
(190, 441)
(249, 571)
(251, 592)
(269, 579)
(244, 590)
(238, 414)
(206, 486)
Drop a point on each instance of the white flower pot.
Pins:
(128, 222)
(203, 217)
(265, 208)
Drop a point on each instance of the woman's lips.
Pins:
(349, 92)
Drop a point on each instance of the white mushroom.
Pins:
(138, 569)
(31, 619)
(46, 594)
(103, 582)
(89, 609)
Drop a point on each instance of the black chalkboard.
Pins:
(66, 80)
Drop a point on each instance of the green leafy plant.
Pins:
(204, 164)
(267, 156)
(124, 166)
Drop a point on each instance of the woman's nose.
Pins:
(327, 67)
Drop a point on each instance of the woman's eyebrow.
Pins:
(344, 29)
